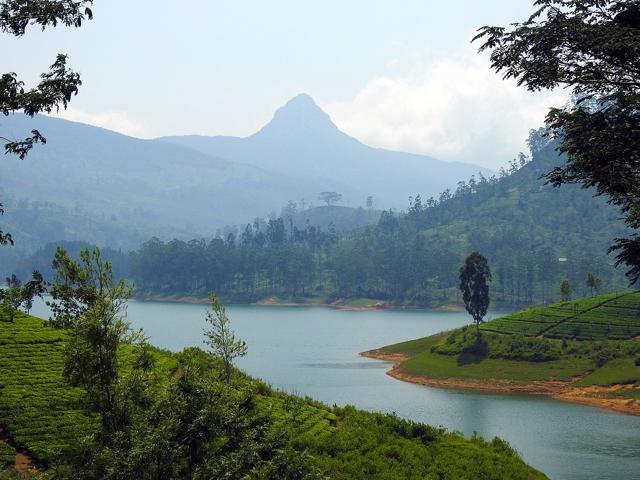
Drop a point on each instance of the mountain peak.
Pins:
(299, 116)
(301, 107)
(302, 100)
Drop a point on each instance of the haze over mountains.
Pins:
(132, 189)
(301, 140)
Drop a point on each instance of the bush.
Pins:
(478, 348)
(502, 446)
(604, 356)
(519, 347)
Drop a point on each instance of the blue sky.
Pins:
(394, 74)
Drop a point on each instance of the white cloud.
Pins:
(120, 122)
(454, 108)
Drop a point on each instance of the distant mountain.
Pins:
(94, 185)
(92, 178)
(301, 140)
(32, 224)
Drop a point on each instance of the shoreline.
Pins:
(555, 389)
(270, 302)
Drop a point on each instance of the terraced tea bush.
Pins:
(40, 412)
(7, 455)
(613, 316)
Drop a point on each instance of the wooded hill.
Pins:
(533, 235)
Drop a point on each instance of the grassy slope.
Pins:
(615, 317)
(445, 366)
(423, 361)
(44, 418)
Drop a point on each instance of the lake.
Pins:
(314, 351)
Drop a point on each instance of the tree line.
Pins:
(533, 235)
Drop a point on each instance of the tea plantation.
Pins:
(43, 418)
(615, 316)
(39, 412)
(7, 455)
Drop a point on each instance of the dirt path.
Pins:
(23, 462)
(596, 396)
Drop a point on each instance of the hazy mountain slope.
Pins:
(301, 140)
(42, 258)
(159, 188)
(34, 223)
(341, 219)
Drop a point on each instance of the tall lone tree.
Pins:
(592, 48)
(565, 290)
(221, 339)
(475, 276)
(92, 304)
(330, 197)
(594, 283)
(56, 87)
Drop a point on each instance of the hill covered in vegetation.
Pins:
(34, 224)
(534, 235)
(256, 432)
(585, 351)
(606, 317)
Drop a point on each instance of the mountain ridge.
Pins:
(161, 188)
(301, 140)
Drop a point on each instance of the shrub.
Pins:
(519, 347)
(479, 348)
(605, 355)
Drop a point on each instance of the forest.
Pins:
(533, 234)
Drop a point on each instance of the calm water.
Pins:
(314, 351)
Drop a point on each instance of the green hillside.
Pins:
(44, 418)
(533, 235)
(614, 316)
(593, 342)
